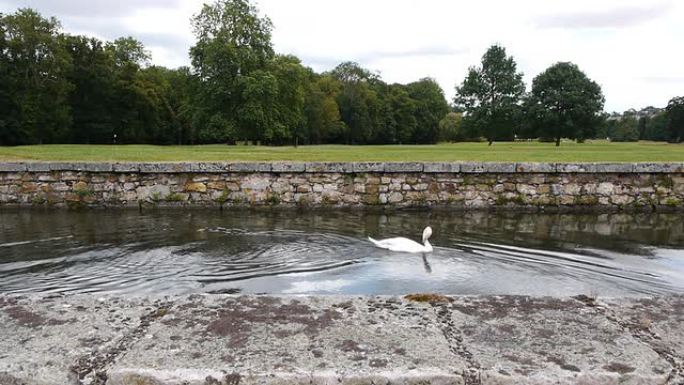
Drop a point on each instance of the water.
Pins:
(326, 252)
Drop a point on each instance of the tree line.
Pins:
(60, 88)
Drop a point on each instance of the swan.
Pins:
(406, 245)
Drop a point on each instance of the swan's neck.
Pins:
(428, 246)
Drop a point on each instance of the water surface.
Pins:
(326, 252)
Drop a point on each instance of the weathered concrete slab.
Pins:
(210, 339)
(521, 340)
(43, 339)
(322, 340)
(657, 321)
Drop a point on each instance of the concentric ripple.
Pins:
(294, 252)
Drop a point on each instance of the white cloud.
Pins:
(630, 47)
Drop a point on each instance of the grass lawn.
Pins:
(595, 151)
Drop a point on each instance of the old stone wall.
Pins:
(458, 185)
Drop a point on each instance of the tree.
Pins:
(293, 82)
(625, 130)
(401, 118)
(323, 118)
(656, 128)
(92, 77)
(450, 128)
(34, 64)
(675, 117)
(565, 103)
(358, 102)
(490, 95)
(233, 42)
(431, 106)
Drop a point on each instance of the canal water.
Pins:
(327, 252)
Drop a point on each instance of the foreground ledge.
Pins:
(215, 339)
(346, 167)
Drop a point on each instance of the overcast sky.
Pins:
(631, 48)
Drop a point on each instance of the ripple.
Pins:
(327, 253)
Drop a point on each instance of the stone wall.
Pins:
(458, 185)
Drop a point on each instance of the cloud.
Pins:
(624, 45)
(368, 58)
(610, 18)
(90, 8)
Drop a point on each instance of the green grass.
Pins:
(596, 151)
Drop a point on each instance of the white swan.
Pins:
(406, 245)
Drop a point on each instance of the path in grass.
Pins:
(598, 151)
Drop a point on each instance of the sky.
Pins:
(631, 48)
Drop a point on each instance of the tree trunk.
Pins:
(558, 139)
(491, 142)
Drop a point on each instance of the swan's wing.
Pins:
(398, 244)
(384, 244)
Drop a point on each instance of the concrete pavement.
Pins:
(274, 340)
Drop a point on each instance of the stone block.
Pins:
(328, 167)
(473, 167)
(573, 168)
(288, 167)
(126, 167)
(659, 168)
(441, 167)
(163, 168)
(364, 167)
(533, 168)
(403, 167)
(37, 167)
(12, 167)
(250, 167)
(610, 168)
(499, 168)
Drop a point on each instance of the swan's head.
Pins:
(427, 233)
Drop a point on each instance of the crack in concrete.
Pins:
(91, 368)
(472, 374)
(645, 335)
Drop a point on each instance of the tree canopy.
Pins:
(675, 116)
(61, 88)
(565, 103)
(490, 95)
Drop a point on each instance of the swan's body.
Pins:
(406, 245)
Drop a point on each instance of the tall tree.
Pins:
(431, 107)
(450, 128)
(92, 77)
(675, 117)
(358, 102)
(490, 95)
(323, 118)
(401, 123)
(233, 42)
(565, 103)
(34, 66)
(656, 127)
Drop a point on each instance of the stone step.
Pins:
(216, 339)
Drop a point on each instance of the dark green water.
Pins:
(326, 252)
